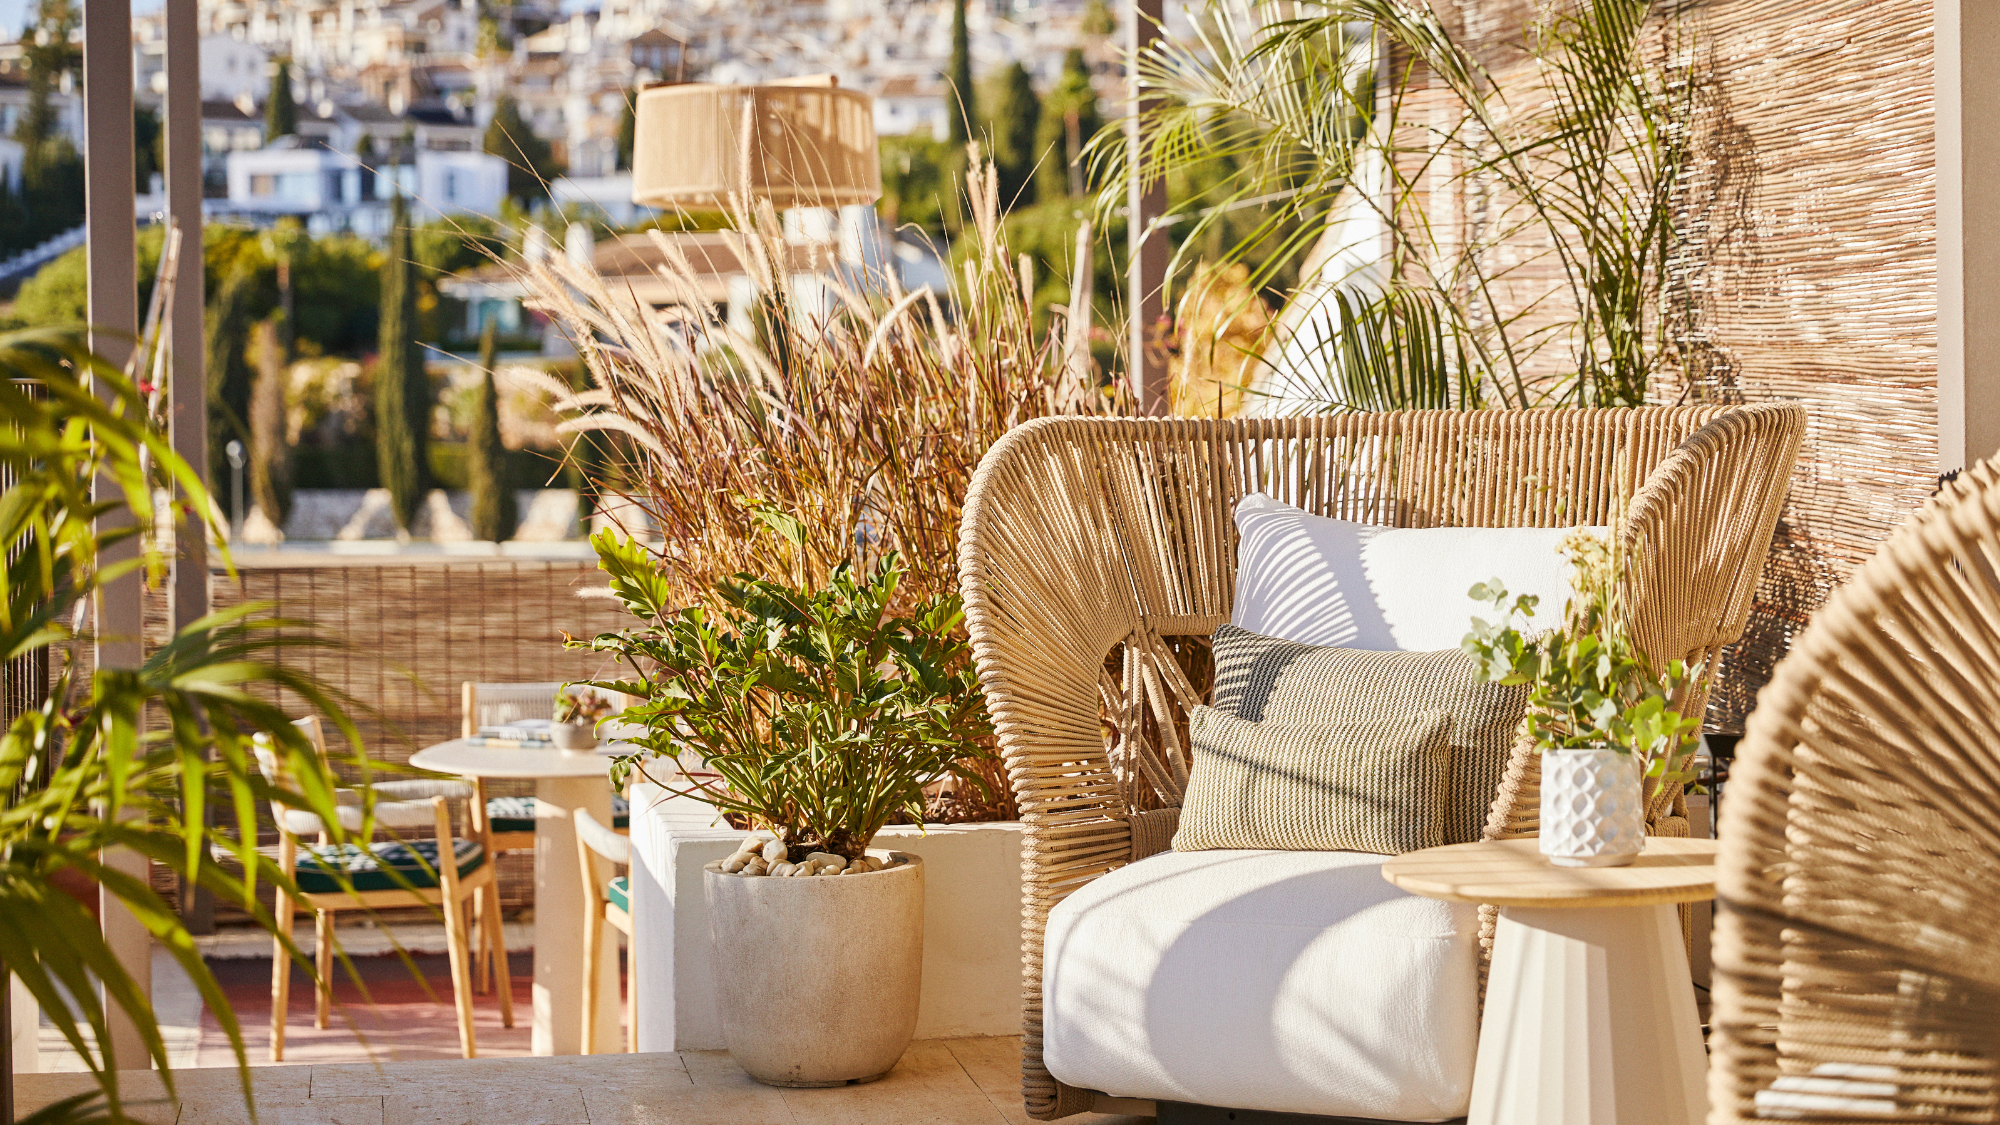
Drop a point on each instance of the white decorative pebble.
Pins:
(734, 864)
(774, 852)
(782, 869)
(756, 867)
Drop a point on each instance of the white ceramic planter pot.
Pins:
(574, 736)
(1591, 814)
(817, 979)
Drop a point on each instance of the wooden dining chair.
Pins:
(597, 850)
(372, 874)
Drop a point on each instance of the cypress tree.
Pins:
(281, 110)
(531, 163)
(1072, 94)
(959, 100)
(628, 130)
(1016, 115)
(494, 513)
(229, 374)
(402, 390)
(52, 186)
(270, 454)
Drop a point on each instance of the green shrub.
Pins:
(822, 715)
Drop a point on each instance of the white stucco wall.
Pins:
(972, 924)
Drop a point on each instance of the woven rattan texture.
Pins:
(1092, 547)
(411, 634)
(1858, 934)
(1807, 264)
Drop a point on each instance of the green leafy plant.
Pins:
(125, 758)
(581, 705)
(1568, 168)
(1589, 685)
(812, 711)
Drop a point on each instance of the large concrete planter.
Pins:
(818, 979)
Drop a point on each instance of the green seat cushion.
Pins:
(619, 892)
(511, 814)
(376, 867)
(517, 814)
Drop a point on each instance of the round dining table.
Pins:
(565, 781)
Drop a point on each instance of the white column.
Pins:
(26, 1028)
(1146, 274)
(114, 318)
(1968, 230)
(187, 391)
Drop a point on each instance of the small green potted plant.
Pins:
(578, 711)
(1604, 717)
(814, 715)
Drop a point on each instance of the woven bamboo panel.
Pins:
(411, 633)
(1808, 271)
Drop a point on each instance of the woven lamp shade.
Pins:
(795, 145)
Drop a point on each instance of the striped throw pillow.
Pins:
(1264, 679)
(1364, 787)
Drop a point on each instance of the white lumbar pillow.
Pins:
(1322, 581)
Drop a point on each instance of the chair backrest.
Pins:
(487, 705)
(1857, 949)
(591, 833)
(275, 770)
(1084, 535)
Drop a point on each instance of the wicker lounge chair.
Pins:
(1858, 931)
(1094, 550)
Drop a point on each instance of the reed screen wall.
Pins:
(411, 632)
(1807, 265)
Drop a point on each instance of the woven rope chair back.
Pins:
(1858, 935)
(490, 705)
(1098, 555)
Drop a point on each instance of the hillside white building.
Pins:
(331, 192)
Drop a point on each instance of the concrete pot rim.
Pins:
(909, 862)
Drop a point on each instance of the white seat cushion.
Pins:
(1292, 982)
(388, 814)
(1321, 581)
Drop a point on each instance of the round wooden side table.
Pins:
(1590, 1013)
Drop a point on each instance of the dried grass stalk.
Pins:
(849, 404)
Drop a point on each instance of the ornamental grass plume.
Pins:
(853, 406)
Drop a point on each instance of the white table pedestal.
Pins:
(1590, 1020)
(560, 904)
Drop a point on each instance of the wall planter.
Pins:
(1591, 814)
(817, 979)
(972, 923)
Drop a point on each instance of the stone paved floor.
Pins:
(938, 1082)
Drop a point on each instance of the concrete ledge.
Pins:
(972, 923)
